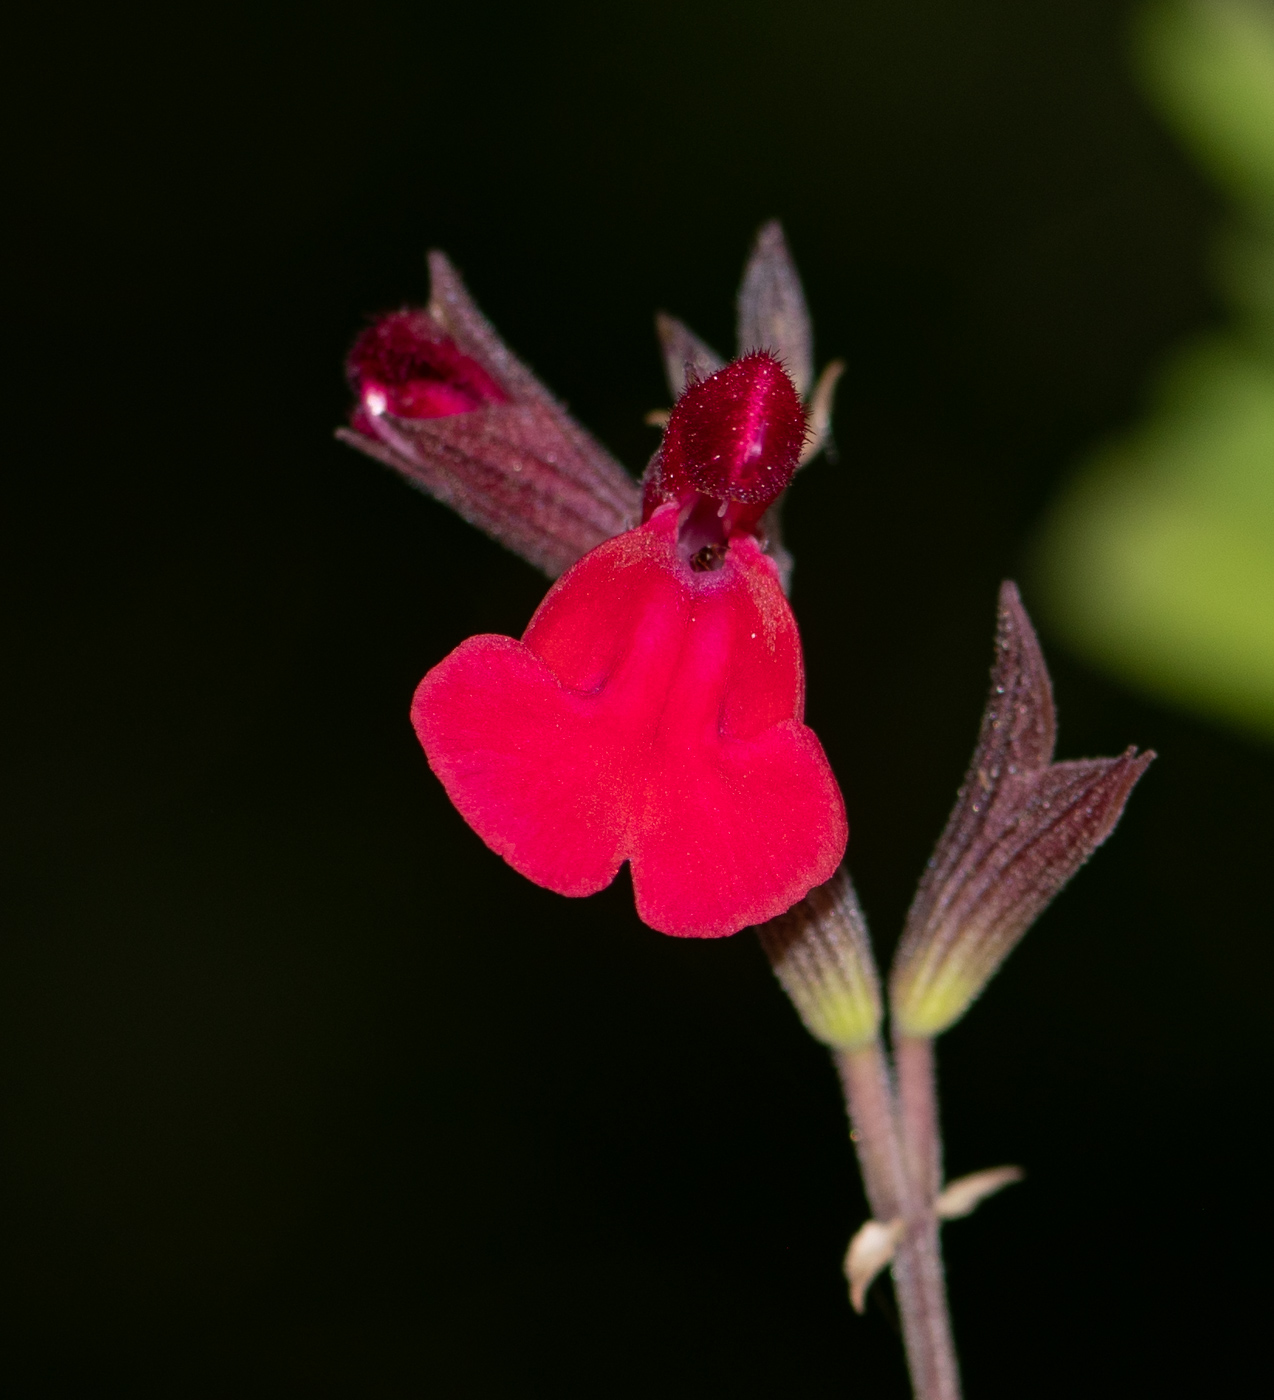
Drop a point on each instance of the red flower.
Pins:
(652, 711)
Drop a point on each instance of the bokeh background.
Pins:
(303, 1092)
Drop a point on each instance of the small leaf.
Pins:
(965, 1194)
(820, 411)
(871, 1250)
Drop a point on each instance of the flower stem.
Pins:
(918, 1264)
(869, 1097)
(918, 1111)
(892, 1193)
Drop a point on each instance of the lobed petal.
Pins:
(650, 714)
(525, 763)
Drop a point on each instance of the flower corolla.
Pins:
(652, 712)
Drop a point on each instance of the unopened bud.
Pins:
(1021, 827)
(821, 953)
(405, 365)
(442, 400)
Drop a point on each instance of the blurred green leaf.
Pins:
(1158, 561)
(1209, 64)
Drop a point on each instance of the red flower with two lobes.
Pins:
(652, 712)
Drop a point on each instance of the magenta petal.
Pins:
(650, 714)
(522, 762)
(738, 434)
(737, 833)
(409, 367)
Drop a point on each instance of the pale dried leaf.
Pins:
(871, 1250)
(965, 1194)
(820, 409)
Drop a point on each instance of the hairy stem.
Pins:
(918, 1112)
(892, 1194)
(918, 1263)
(869, 1097)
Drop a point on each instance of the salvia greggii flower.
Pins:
(652, 711)
(821, 952)
(445, 402)
(1021, 827)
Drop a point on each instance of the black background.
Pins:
(303, 1092)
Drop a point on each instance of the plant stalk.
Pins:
(869, 1097)
(893, 1194)
(919, 1254)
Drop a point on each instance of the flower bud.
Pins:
(442, 400)
(821, 953)
(716, 494)
(1021, 827)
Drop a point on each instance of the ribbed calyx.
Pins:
(442, 399)
(1021, 827)
(821, 953)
